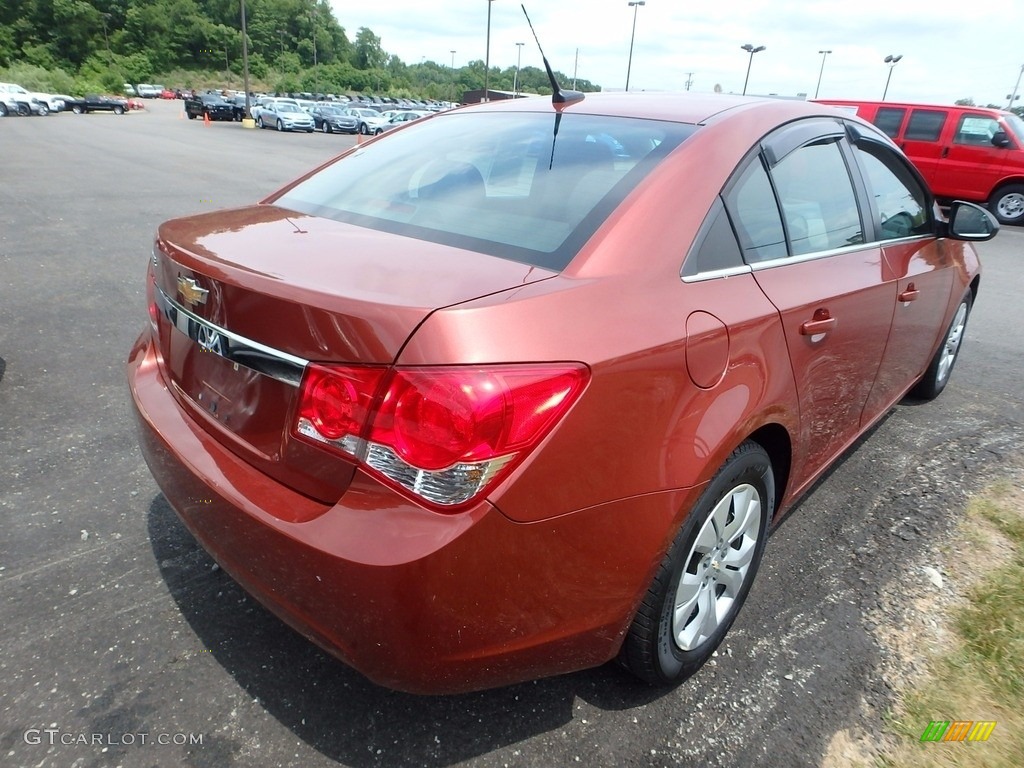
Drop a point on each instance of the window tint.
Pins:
(901, 202)
(889, 120)
(976, 130)
(817, 198)
(716, 245)
(925, 125)
(755, 214)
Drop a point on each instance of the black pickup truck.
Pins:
(212, 104)
(95, 103)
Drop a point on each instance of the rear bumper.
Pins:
(415, 600)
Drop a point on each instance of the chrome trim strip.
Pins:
(803, 257)
(238, 349)
(717, 273)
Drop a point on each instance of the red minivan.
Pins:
(964, 153)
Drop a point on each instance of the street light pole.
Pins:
(635, 5)
(824, 54)
(1013, 96)
(515, 81)
(487, 60)
(451, 91)
(245, 65)
(892, 61)
(751, 50)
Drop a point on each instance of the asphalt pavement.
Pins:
(123, 644)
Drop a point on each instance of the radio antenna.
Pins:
(558, 96)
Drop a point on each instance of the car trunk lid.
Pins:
(247, 296)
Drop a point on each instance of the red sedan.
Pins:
(523, 388)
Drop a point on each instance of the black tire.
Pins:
(118, 110)
(24, 110)
(43, 110)
(77, 109)
(378, 131)
(936, 377)
(3, 109)
(664, 647)
(259, 121)
(364, 129)
(1007, 204)
(280, 124)
(326, 127)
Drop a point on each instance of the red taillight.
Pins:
(335, 402)
(443, 433)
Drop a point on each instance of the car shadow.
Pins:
(337, 711)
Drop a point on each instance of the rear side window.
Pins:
(889, 120)
(752, 206)
(716, 248)
(817, 197)
(925, 125)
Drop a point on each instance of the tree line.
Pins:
(293, 45)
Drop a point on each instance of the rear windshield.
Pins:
(527, 187)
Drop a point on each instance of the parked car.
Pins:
(369, 119)
(285, 116)
(399, 118)
(96, 103)
(264, 102)
(964, 153)
(485, 400)
(148, 90)
(35, 102)
(209, 104)
(167, 93)
(330, 118)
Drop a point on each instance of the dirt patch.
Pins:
(914, 624)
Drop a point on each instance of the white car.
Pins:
(369, 119)
(38, 103)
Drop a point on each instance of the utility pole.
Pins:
(689, 79)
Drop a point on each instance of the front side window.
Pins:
(531, 187)
(901, 202)
(976, 130)
(817, 198)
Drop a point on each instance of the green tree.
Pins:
(368, 51)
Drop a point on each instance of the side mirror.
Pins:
(1000, 139)
(968, 221)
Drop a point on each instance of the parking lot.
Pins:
(125, 645)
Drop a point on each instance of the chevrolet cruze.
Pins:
(522, 388)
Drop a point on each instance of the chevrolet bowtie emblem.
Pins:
(191, 292)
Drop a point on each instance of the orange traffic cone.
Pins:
(206, 118)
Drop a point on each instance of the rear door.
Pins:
(798, 218)
(922, 142)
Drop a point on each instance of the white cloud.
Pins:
(950, 49)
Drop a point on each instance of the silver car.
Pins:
(285, 116)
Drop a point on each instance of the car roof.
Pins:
(682, 107)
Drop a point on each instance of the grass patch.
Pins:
(982, 677)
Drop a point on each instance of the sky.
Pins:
(951, 50)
